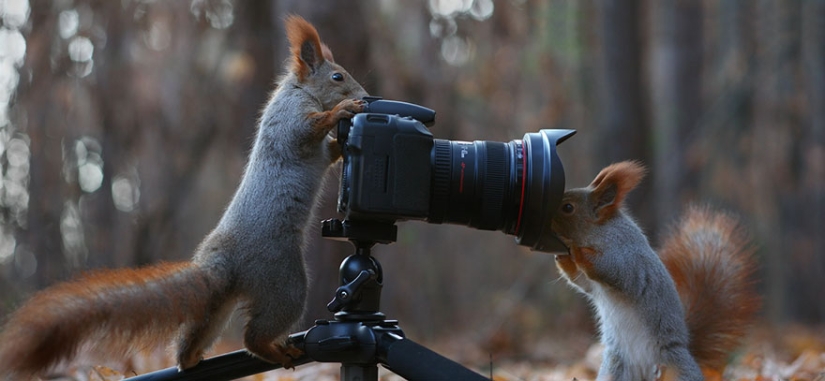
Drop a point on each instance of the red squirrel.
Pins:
(675, 315)
(252, 260)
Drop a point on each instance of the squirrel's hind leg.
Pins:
(196, 337)
(266, 331)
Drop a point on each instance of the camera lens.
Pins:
(477, 184)
(514, 187)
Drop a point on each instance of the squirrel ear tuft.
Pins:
(327, 53)
(305, 45)
(612, 185)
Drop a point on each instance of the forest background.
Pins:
(125, 125)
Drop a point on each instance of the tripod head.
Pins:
(359, 296)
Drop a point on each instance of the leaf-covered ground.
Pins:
(792, 354)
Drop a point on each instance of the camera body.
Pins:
(386, 172)
(395, 170)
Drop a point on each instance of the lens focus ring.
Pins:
(440, 180)
(492, 198)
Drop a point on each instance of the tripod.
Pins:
(359, 337)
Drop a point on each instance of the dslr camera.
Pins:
(395, 170)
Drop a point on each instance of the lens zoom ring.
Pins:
(440, 181)
(494, 185)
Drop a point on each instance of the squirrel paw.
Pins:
(290, 353)
(323, 122)
(281, 354)
(285, 355)
(189, 361)
(566, 264)
(347, 108)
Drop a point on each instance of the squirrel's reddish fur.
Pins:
(709, 256)
(36, 333)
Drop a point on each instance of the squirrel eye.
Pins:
(338, 77)
(567, 208)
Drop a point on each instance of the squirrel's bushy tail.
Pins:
(710, 259)
(114, 311)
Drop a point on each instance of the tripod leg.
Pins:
(415, 362)
(229, 366)
(225, 367)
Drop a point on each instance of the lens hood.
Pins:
(543, 190)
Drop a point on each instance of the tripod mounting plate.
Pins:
(360, 231)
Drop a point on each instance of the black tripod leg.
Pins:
(225, 367)
(415, 362)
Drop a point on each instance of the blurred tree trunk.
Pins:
(790, 132)
(676, 99)
(813, 186)
(769, 142)
(623, 132)
(109, 85)
(41, 102)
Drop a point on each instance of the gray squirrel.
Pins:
(675, 315)
(252, 260)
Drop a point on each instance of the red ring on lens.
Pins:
(523, 185)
